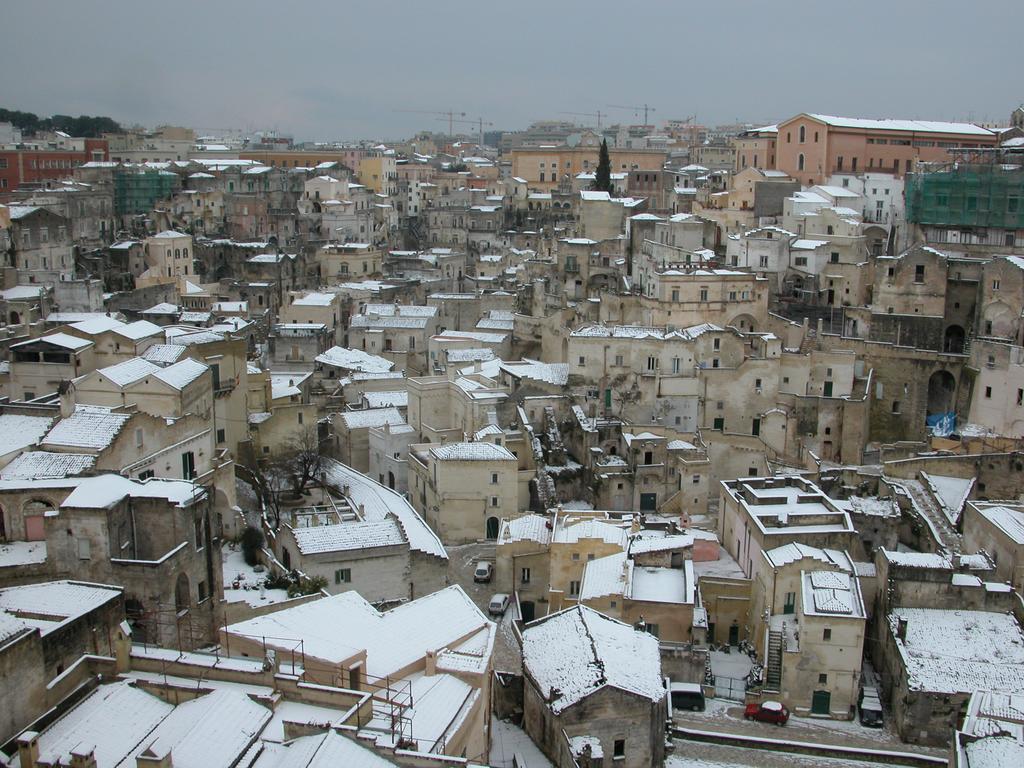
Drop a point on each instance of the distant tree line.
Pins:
(83, 125)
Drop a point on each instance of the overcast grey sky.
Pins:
(340, 70)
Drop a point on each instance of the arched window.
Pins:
(800, 162)
(177, 253)
(803, 133)
(184, 252)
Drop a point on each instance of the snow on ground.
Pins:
(951, 493)
(578, 504)
(697, 755)
(508, 740)
(237, 570)
(734, 664)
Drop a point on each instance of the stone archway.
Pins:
(743, 323)
(941, 393)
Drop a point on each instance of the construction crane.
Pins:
(451, 114)
(644, 107)
(479, 122)
(597, 114)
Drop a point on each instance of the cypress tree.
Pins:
(603, 176)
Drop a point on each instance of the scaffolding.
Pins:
(977, 194)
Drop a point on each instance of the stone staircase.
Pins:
(945, 535)
(773, 672)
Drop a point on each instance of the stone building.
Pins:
(593, 687)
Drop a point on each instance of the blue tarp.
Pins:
(941, 424)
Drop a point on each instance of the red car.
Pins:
(767, 712)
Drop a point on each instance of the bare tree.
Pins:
(294, 467)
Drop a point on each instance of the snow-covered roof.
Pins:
(805, 244)
(551, 373)
(1009, 520)
(22, 431)
(371, 417)
(89, 426)
(960, 651)
(572, 530)
(287, 384)
(163, 354)
(363, 534)
(647, 541)
(644, 332)
(170, 233)
(574, 653)
(471, 452)
(378, 502)
(337, 628)
(104, 491)
(49, 605)
(932, 560)
(182, 373)
(163, 308)
(113, 719)
(831, 593)
(917, 126)
(396, 399)
(34, 465)
(315, 299)
(22, 292)
(525, 528)
(128, 372)
(354, 360)
(63, 340)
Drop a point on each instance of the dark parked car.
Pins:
(767, 712)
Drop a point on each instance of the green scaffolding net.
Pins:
(968, 196)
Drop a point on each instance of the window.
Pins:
(138, 438)
(84, 549)
(618, 361)
(221, 435)
(494, 501)
(919, 273)
(675, 365)
(800, 161)
(757, 384)
(803, 134)
(995, 285)
(834, 257)
(716, 344)
(896, 406)
(988, 393)
(1020, 397)
(583, 360)
(494, 478)
(575, 555)
(188, 465)
(201, 591)
(343, 576)
(620, 744)
(826, 635)
(652, 363)
(524, 576)
(696, 479)
(198, 524)
(703, 294)
(839, 164)
(574, 588)
(823, 679)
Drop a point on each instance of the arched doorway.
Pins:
(15, 318)
(391, 480)
(492, 528)
(954, 341)
(34, 514)
(941, 394)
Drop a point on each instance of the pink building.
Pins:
(811, 148)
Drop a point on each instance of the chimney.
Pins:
(901, 628)
(28, 749)
(123, 647)
(154, 757)
(431, 664)
(83, 756)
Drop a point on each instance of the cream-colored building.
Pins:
(169, 256)
(809, 624)
(463, 490)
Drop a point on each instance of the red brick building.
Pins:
(35, 164)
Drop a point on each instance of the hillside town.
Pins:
(600, 443)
